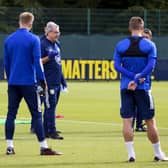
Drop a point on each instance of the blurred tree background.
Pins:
(86, 16)
(114, 4)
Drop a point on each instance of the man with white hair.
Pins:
(51, 58)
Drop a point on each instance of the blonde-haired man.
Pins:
(22, 63)
(135, 58)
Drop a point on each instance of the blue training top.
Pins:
(22, 58)
(140, 62)
(52, 68)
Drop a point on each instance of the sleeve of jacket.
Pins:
(6, 61)
(63, 81)
(37, 59)
(118, 65)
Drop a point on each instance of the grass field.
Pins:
(91, 128)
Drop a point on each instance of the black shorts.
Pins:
(140, 99)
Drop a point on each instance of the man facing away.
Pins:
(22, 63)
(135, 58)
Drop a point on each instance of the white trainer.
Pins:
(161, 157)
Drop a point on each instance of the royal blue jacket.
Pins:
(22, 58)
(142, 63)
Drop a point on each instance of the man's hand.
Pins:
(64, 89)
(42, 88)
(140, 80)
(52, 54)
(132, 85)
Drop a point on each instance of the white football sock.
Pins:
(43, 144)
(9, 143)
(130, 149)
(157, 149)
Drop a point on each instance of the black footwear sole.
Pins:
(157, 159)
(56, 137)
(131, 159)
(10, 151)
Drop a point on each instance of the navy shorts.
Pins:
(140, 99)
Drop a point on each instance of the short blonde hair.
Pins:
(26, 18)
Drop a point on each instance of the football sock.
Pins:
(130, 149)
(9, 143)
(43, 144)
(157, 148)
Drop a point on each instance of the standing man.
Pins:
(22, 63)
(147, 33)
(51, 58)
(135, 58)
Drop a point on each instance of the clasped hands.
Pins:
(133, 85)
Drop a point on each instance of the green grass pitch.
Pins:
(92, 130)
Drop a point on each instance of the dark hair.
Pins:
(148, 31)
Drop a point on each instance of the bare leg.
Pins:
(128, 138)
(153, 136)
(128, 133)
(152, 131)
